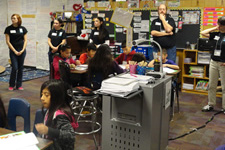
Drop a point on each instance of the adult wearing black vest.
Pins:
(56, 37)
(99, 35)
(163, 32)
(16, 39)
(217, 63)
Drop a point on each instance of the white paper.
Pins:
(137, 30)
(137, 19)
(144, 25)
(119, 30)
(101, 15)
(90, 4)
(29, 6)
(30, 59)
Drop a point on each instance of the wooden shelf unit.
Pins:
(187, 78)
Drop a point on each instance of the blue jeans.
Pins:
(16, 75)
(170, 51)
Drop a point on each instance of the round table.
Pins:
(2, 69)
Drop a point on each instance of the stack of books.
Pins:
(197, 71)
(188, 86)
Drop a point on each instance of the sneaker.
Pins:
(11, 89)
(20, 88)
(207, 108)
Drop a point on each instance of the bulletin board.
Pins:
(144, 15)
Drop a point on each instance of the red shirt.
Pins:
(122, 57)
(83, 58)
(56, 65)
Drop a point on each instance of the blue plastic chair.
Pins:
(39, 118)
(19, 107)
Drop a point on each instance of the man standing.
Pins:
(163, 32)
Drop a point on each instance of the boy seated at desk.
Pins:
(91, 50)
(126, 55)
(64, 55)
(166, 62)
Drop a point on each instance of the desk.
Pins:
(78, 77)
(43, 143)
(175, 90)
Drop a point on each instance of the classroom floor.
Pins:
(190, 116)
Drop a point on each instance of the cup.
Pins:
(193, 46)
(133, 69)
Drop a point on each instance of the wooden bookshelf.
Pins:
(189, 79)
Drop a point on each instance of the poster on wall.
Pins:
(174, 3)
(133, 3)
(191, 17)
(159, 2)
(211, 15)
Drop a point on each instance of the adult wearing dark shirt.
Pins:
(217, 63)
(16, 39)
(163, 32)
(99, 35)
(56, 37)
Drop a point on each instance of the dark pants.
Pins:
(17, 69)
(50, 58)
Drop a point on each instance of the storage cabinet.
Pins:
(195, 76)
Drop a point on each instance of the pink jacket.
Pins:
(56, 65)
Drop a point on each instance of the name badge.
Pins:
(12, 31)
(60, 33)
(21, 30)
(54, 34)
(158, 23)
(96, 33)
(217, 52)
(216, 38)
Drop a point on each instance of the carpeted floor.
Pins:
(29, 73)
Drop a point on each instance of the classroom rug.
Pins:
(29, 73)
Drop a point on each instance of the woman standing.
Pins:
(56, 37)
(217, 63)
(99, 35)
(16, 39)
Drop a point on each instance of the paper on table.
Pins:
(81, 67)
(20, 141)
(169, 70)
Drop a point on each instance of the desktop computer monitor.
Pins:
(205, 44)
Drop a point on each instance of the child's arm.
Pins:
(176, 67)
(41, 128)
(151, 64)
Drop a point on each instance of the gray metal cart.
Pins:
(139, 121)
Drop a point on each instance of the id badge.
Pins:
(12, 31)
(60, 33)
(96, 33)
(217, 52)
(21, 30)
(54, 34)
(158, 23)
(216, 38)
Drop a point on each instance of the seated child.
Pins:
(59, 122)
(101, 66)
(91, 50)
(64, 55)
(166, 62)
(126, 55)
(3, 117)
(138, 57)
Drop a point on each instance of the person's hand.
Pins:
(165, 65)
(17, 53)
(54, 49)
(162, 17)
(78, 62)
(223, 64)
(41, 128)
(170, 33)
(72, 66)
(127, 66)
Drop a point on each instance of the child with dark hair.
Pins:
(138, 57)
(3, 117)
(59, 121)
(101, 66)
(99, 35)
(64, 55)
(166, 62)
(126, 55)
(91, 50)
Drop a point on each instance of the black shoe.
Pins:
(207, 108)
